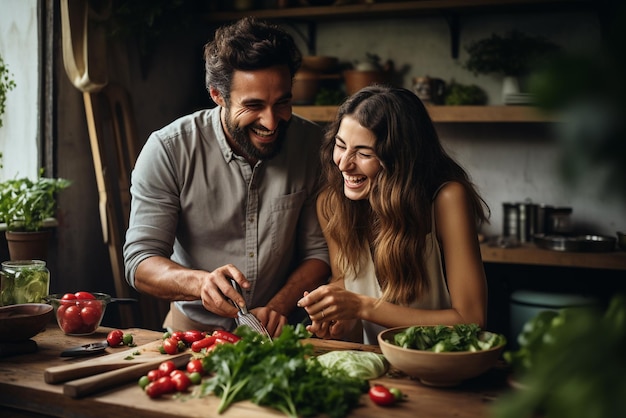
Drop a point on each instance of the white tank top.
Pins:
(366, 283)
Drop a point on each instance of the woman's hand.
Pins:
(333, 310)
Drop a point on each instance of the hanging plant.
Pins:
(6, 84)
(514, 54)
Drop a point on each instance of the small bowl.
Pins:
(438, 369)
(23, 321)
(79, 316)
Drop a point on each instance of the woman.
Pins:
(400, 218)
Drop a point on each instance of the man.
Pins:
(229, 193)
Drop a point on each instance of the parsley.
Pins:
(282, 374)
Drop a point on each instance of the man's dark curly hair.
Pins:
(246, 45)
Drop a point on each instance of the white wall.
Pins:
(509, 162)
(19, 48)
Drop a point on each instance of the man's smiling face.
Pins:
(256, 114)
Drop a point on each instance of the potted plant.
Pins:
(28, 209)
(367, 72)
(513, 55)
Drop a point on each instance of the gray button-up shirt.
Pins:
(196, 202)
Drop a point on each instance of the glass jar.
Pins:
(24, 281)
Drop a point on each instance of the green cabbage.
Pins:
(360, 364)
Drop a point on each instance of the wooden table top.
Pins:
(22, 387)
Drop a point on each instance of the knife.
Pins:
(86, 349)
(245, 317)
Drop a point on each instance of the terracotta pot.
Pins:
(28, 245)
(356, 80)
(306, 85)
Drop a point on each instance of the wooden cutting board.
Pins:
(89, 376)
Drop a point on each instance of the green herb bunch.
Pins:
(6, 84)
(281, 374)
(25, 204)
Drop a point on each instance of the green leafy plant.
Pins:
(282, 374)
(514, 54)
(6, 84)
(461, 94)
(25, 204)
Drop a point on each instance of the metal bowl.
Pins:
(23, 321)
(578, 243)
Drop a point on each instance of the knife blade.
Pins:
(86, 349)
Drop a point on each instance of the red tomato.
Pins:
(166, 368)
(227, 336)
(155, 389)
(170, 345)
(115, 338)
(178, 335)
(71, 322)
(195, 365)
(380, 395)
(68, 296)
(181, 380)
(90, 315)
(167, 384)
(84, 295)
(189, 337)
(197, 346)
(154, 375)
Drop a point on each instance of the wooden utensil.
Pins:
(106, 371)
(88, 385)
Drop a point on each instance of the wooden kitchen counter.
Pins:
(22, 388)
(531, 254)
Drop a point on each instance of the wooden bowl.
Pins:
(23, 321)
(438, 369)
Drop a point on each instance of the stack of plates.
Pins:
(518, 99)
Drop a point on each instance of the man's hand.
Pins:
(216, 289)
(274, 321)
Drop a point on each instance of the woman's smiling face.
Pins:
(354, 155)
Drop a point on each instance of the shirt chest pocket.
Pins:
(285, 211)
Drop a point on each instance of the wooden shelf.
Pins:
(530, 254)
(389, 8)
(449, 114)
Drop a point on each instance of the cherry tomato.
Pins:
(115, 338)
(71, 322)
(227, 336)
(177, 335)
(195, 365)
(191, 336)
(181, 380)
(68, 296)
(167, 385)
(380, 395)
(154, 375)
(155, 389)
(170, 345)
(90, 315)
(166, 368)
(144, 381)
(84, 296)
(197, 346)
(195, 378)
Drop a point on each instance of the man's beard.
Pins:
(241, 139)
